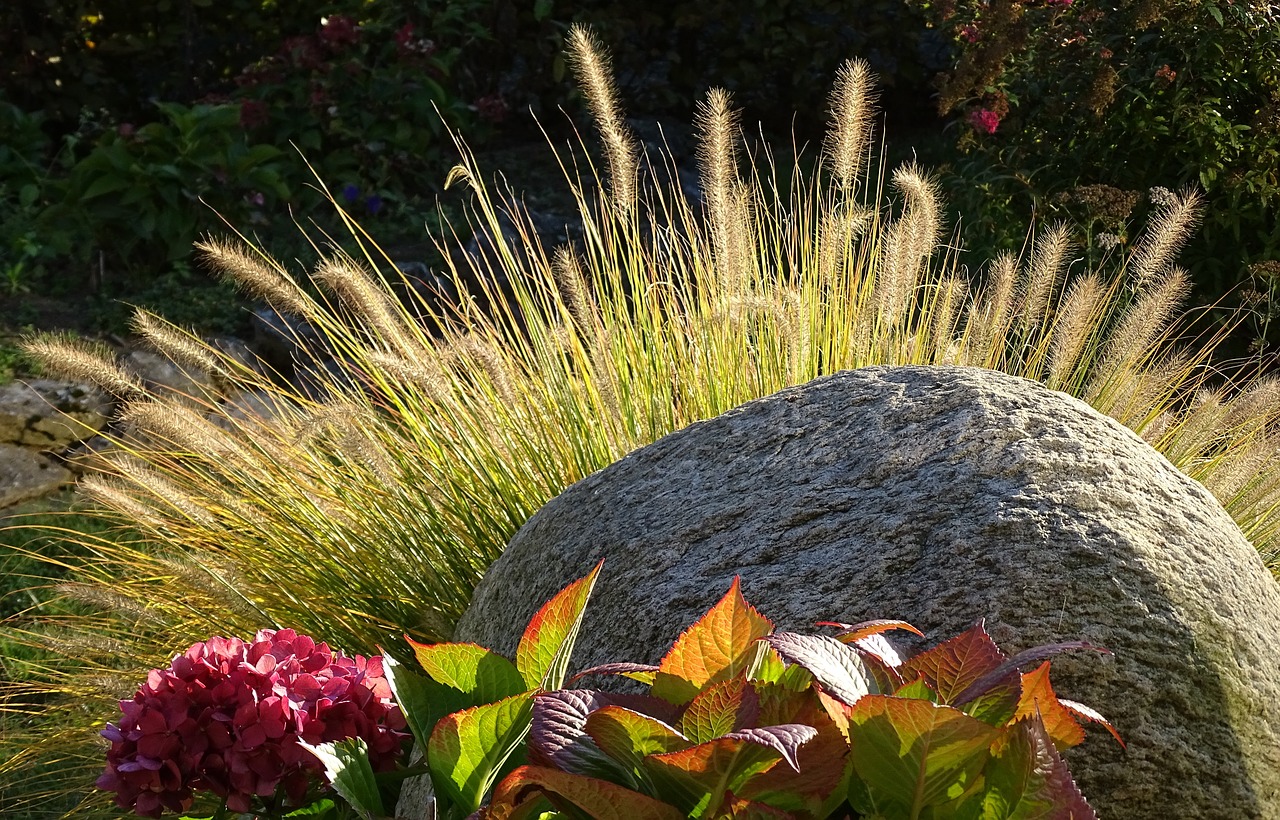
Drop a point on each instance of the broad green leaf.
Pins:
(697, 778)
(347, 768)
(718, 646)
(467, 749)
(953, 665)
(598, 799)
(628, 736)
(1026, 779)
(918, 690)
(558, 735)
(483, 675)
(839, 670)
(543, 654)
(914, 754)
(413, 695)
(720, 709)
(107, 185)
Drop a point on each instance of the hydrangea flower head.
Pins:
(227, 717)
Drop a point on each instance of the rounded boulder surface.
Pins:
(941, 495)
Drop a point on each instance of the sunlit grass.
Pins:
(370, 508)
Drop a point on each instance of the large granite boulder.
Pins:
(26, 474)
(943, 495)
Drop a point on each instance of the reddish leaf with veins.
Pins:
(720, 645)
(543, 654)
(599, 799)
(950, 667)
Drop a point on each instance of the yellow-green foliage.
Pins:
(372, 510)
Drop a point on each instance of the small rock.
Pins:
(51, 414)
(25, 474)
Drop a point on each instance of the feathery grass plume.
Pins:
(82, 360)
(1138, 332)
(1165, 235)
(1045, 271)
(178, 346)
(254, 273)
(717, 127)
(371, 299)
(990, 312)
(590, 63)
(848, 141)
(439, 447)
(908, 242)
(1073, 330)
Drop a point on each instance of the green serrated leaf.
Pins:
(481, 674)
(468, 749)
(347, 768)
(547, 643)
(914, 754)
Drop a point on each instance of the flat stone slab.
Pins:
(51, 414)
(25, 474)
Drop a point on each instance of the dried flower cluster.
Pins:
(227, 717)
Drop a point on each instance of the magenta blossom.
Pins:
(227, 717)
(984, 120)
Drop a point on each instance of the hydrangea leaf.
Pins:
(718, 646)
(468, 749)
(642, 672)
(598, 799)
(720, 709)
(558, 735)
(347, 768)
(414, 695)
(817, 788)
(629, 736)
(1039, 700)
(1028, 780)
(839, 670)
(850, 633)
(953, 665)
(481, 674)
(697, 778)
(1000, 674)
(739, 809)
(1092, 715)
(543, 654)
(914, 754)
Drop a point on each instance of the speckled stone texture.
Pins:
(944, 495)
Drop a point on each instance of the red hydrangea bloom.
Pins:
(227, 717)
(984, 120)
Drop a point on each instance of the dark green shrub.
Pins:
(1056, 98)
(775, 55)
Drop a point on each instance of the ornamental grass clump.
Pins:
(365, 498)
(230, 717)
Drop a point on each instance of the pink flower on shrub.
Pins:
(970, 33)
(339, 30)
(491, 108)
(227, 716)
(984, 120)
